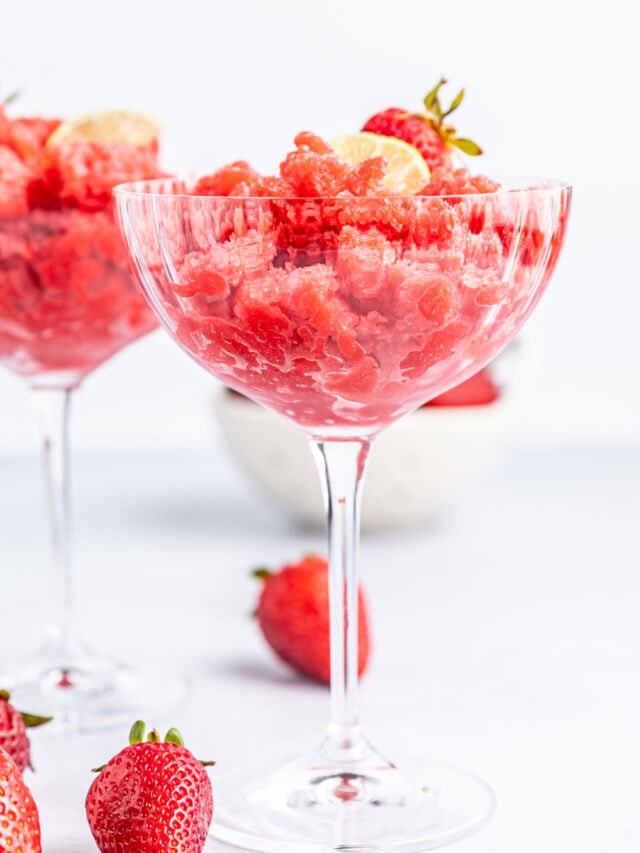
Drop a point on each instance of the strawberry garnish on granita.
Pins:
(435, 139)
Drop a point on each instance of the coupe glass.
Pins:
(344, 314)
(67, 304)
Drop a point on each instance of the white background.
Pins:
(550, 91)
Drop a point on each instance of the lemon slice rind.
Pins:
(407, 170)
(111, 126)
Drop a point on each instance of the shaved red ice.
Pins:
(67, 301)
(321, 293)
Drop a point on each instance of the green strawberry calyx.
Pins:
(7, 100)
(30, 720)
(261, 574)
(137, 735)
(435, 115)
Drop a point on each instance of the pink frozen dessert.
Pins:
(325, 294)
(67, 299)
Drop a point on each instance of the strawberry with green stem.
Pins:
(293, 614)
(152, 796)
(13, 731)
(427, 131)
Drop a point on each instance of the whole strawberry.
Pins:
(152, 797)
(427, 130)
(13, 731)
(19, 821)
(293, 613)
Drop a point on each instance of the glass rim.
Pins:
(508, 187)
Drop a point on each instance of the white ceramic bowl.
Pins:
(418, 467)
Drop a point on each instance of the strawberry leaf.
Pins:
(261, 574)
(136, 735)
(11, 97)
(174, 736)
(467, 145)
(455, 103)
(33, 720)
(432, 98)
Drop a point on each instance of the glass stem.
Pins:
(52, 407)
(342, 465)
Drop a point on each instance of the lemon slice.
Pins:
(407, 170)
(112, 126)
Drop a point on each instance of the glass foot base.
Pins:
(366, 807)
(82, 690)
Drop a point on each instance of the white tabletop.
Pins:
(506, 635)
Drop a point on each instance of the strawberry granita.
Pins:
(322, 294)
(67, 300)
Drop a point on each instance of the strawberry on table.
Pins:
(13, 731)
(293, 614)
(152, 797)
(19, 821)
(426, 131)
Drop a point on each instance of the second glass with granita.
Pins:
(68, 304)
